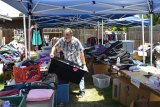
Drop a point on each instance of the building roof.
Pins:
(3, 17)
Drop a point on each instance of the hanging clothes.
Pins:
(92, 41)
(36, 37)
(110, 38)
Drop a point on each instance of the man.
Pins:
(73, 51)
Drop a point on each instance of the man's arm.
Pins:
(82, 58)
(55, 47)
(53, 50)
(83, 61)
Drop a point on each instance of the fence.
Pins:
(135, 33)
(7, 35)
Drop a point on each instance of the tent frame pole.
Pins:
(102, 31)
(29, 36)
(143, 39)
(25, 38)
(98, 32)
(151, 24)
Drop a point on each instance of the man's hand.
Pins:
(85, 68)
(52, 55)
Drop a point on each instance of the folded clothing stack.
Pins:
(38, 94)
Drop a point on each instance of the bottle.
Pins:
(118, 61)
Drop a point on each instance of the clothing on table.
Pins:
(92, 41)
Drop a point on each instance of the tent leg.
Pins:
(25, 38)
(29, 36)
(98, 32)
(102, 31)
(151, 22)
(143, 38)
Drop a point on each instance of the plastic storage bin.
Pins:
(101, 80)
(27, 74)
(43, 52)
(46, 48)
(18, 101)
(128, 45)
(62, 94)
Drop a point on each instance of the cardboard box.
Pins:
(121, 90)
(143, 94)
(145, 104)
(125, 93)
(128, 92)
(90, 66)
(100, 68)
(138, 55)
(131, 94)
(154, 97)
(116, 89)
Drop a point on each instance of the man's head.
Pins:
(68, 33)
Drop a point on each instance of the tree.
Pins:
(20, 14)
(119, 29)
(156, 18)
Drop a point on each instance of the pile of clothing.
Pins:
(8, 54)
(155, 79)
(44, 63)
(24, 88)
(46, 50)
(109, 52)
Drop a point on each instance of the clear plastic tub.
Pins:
(101, 80)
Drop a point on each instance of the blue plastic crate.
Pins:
(62, 94)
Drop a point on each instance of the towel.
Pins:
(39, 94)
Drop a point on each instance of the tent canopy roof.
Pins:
(72, 7)
(54, 12)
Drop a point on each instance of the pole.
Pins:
(102, 31)
(143, 39)
(98, 32)
(151, 22)
(29, 36)
(25, 38)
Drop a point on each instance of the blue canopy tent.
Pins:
(74, 7)
(81, 7)
(128, 22)
(85, 20)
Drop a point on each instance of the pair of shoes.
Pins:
(81, 94)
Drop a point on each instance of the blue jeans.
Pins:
(81, 85)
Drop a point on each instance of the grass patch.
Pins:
(94, 97)
(2, 80)
(1, 86)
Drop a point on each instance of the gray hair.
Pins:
(69, 31)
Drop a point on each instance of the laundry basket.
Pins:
(101, 80)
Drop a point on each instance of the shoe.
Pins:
(60, 105)
(81, 94)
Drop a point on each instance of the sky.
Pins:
(7, 9)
